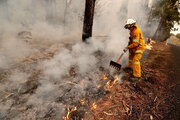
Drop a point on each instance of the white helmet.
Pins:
(129, 23)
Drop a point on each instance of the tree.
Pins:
(167, 12)
(88, 19)
(51, 10)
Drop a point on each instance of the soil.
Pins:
(155, 97)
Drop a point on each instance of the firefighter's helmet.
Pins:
(130, 23)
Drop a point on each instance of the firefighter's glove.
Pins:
(125, 49)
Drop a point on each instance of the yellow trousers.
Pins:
(134, 62)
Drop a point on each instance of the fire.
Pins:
(110, 84)
(82, 83)
(94, 106)
(82, 102)
(104, 77)
(69, 111)
(99, 86)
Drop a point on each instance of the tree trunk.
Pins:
(50, 11)
(161, 33)
(88, 19)
(163, 30)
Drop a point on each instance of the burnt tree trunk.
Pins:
(88, 19)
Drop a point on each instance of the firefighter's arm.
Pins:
(135, 42)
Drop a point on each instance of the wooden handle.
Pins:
(120, 57)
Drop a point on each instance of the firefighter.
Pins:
(136, 48)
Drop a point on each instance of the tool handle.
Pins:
(120, 57)
(118, 60)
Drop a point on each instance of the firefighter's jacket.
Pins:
(136, 43)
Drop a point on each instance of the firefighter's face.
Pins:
(130, 28)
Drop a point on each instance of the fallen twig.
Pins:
(110, 114)
(125, 107)
(113, 107)
(141, 114)
(130, 111)
(155, 99)
(6, 97)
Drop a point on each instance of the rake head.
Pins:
(115, 65)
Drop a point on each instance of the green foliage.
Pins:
(158, 9)
(167, 12)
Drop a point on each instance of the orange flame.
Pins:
(104, 77)
(69, 111)
(82, 102)
(94, 106)
(110, 84)
(82, 83)
(99, 86)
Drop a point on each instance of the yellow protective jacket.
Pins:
(137, 44)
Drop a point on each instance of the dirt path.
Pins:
(156, 97)
(174, 81)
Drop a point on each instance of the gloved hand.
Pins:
(125, 49)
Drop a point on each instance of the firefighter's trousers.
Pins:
(134, 62)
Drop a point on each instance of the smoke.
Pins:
(12, 47)
(43, 99)
(72, 72)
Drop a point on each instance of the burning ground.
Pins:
(54, 78)
(46, 72)
(64, 81)
(156, 97)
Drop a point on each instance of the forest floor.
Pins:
(155, 97)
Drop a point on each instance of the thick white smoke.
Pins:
(28, 26)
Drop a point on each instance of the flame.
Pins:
(94, 106)
(110, 83)
(82, 102)
(69, 111)
(99, 86)
(82, 83)
(104, 77)
(151, 117)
